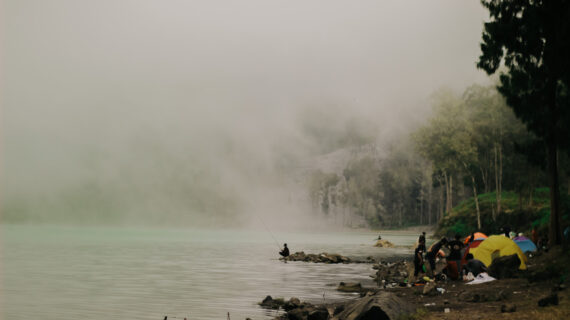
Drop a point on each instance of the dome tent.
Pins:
(498, 246)
(476, 236)
(526, 245)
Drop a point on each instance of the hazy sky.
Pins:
(127, 95)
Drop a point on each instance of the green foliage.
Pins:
(530, 40)
(459, 228)
(461, 219)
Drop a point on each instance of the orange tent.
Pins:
(477, 236)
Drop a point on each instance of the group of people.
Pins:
(455, 246)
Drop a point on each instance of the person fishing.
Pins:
(285, 251)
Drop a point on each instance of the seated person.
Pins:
(285, 251)
(474, 266)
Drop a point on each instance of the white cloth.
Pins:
(481, 278)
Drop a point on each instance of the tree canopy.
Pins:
(528, 42)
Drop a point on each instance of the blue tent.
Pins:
(526, 245)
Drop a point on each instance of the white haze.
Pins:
(193, 112)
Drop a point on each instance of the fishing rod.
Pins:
(268, 231)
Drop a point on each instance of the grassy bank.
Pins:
(521, 214)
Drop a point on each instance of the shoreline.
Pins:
(545, 282)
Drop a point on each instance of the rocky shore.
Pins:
(374, 305)
(324, 258)
(537, 293)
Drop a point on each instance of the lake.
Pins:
(53, 272)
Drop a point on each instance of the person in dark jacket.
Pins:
(432, 253)
(285, 251)
(455, 247)
(419, 257)
(422, 237)
(474, 266)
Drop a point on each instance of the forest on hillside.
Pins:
(471, 145)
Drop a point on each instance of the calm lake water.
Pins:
(118, 273)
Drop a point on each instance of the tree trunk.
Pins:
(484, 176)
(555, 231)
(448, 192)
(450, 195)
(430, 189)
(476, 202)
(500, 195)
(530, 197)
(422, 207)
(496, 182)
(400, 214)
(440, 207)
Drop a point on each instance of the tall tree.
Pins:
(531, 38)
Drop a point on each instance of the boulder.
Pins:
(384, 244)
(505, 267)
(383, 305)
(318, 258)
(271, 303)
(291, 304)
(550, 300)
(349, 287)
(338, 309)
(297, 314)
(429, 289)
(319, 314)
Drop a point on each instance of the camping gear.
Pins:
(476, 236)
(526, 245)
(497, 246)
(482, 278)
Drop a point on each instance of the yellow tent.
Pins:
(497, 246)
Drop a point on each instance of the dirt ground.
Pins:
(545, 273)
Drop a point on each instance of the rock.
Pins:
(297, 314)
(508, 308)
(267, 300)
(291, 304)
(320, 258)
(429, 289)
(271, 303)
(550, 300)
(505, 267)
(319, 314)
(383, 305)
(338, 309)
(349, 287)
(384, 244)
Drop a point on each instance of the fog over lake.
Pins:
(206, 112)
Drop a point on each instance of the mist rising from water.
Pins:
(194, 113)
